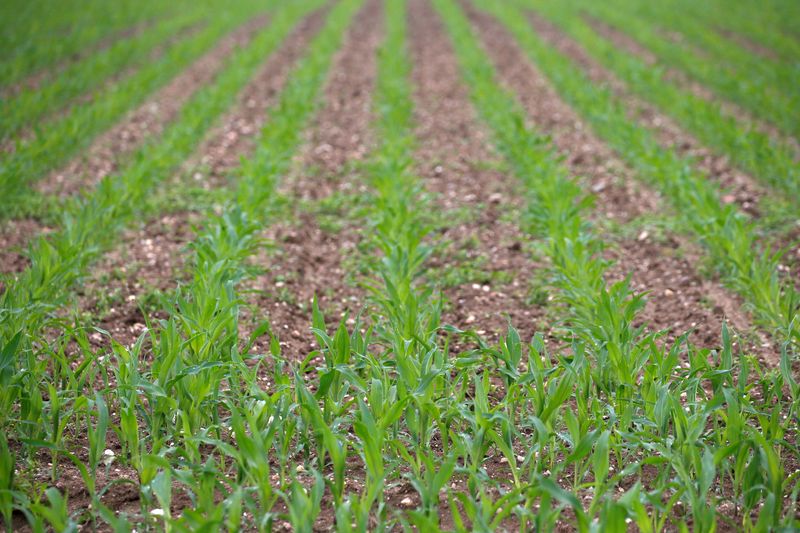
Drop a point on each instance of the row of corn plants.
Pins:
(622, 410)
(748, 91)
(91, 224)
(768, 25)
(173, 387)
(41, 36)
(779, 75)
(29, 106)
(53, 144)
(222, 436)
(730, 238)
(770, 161)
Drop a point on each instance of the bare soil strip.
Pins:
(151, 258)
(308, 259)
(749, 44)
(743, 189)
(454, 158)
(220, 152)
(654, 266)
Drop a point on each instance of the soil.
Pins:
(308, 260)
(455, 162)
(15, 235)
(220, 152)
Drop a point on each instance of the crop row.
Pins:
(54, 143)
(768, 160)
(60, 259)
(614, 425)
(730, 237)
(715, 47)
(29, 106)
(42, 36)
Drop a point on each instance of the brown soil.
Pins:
(454, 159)
(308, 259)
(110, 149)
(149, 260)
(749, 44)
(15, 235)
(653, 266)
(742, 189)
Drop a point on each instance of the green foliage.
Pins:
(612, 429)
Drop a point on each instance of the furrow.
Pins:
(309, 258)
(455, 160)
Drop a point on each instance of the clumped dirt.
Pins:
(455, 161)
(308, 260)
(150, 260)
(742, 189)
(108, 152)
(650, 265)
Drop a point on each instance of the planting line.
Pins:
(483, 268)
(767, 160)
(773, 73)
(729, 237)
(740, 188)
(196, 362)
(680, 300)
(601, 316)
(149, 257)
(322, 195)
(763, 100)
(91, 224)
(40, 40)
(31, 105)
(31, 159)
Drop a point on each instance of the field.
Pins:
(403, 265)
